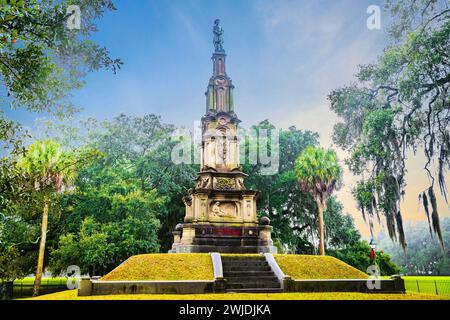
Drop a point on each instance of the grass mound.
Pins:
(164, 266)
(316, 267)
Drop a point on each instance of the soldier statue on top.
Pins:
(218, 36)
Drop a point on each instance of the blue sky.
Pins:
(284, 58)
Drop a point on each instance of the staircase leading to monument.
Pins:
(249, 274)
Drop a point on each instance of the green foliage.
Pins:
(47, 165)
(290, 211)
(357, 255)
(133, 193)
(41, 59)
(17, 237)
(340, 230)
(43, 174)
(139, 151)
(293, 213)
(400, 103)
(128, 228)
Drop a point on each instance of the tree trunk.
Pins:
(320, 210)
(40, 265)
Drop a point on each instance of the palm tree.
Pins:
(51, 170)
(319, 174)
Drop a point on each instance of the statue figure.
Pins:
(240, 183)
(203, 183)
(216, 210)
(187, 200)
(218, 39)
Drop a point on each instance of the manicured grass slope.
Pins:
(316, 267)
(174, 266)
(198, 266)
(72, 295)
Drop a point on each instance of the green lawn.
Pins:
(428, 284)
(440, 278)
(72, 295)
(45, 281)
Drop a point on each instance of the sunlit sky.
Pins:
(284, 58)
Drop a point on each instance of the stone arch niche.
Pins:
(224, 209)
(220, 98)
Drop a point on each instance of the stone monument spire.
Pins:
(219, 94)
(220, 211)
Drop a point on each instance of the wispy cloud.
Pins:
(190, 27)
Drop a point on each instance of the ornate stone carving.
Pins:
(222, 183)
(240, 183)
(187, 200)
(225, 209)
(204, 183)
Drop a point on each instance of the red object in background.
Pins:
(372, 255)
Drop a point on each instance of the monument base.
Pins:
(203, 238)
(186, 248)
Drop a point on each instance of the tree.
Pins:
(399, 104)
(138, 150)
(319, 174)
(106, 221)
(51, 170)
(42, 60)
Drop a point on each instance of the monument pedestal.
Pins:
(221, 217)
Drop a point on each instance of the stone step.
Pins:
(255, 290)
(246, 268)
(247, 273)
(244, 263)
(260, 259)
(253, 285)
(239, 279)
